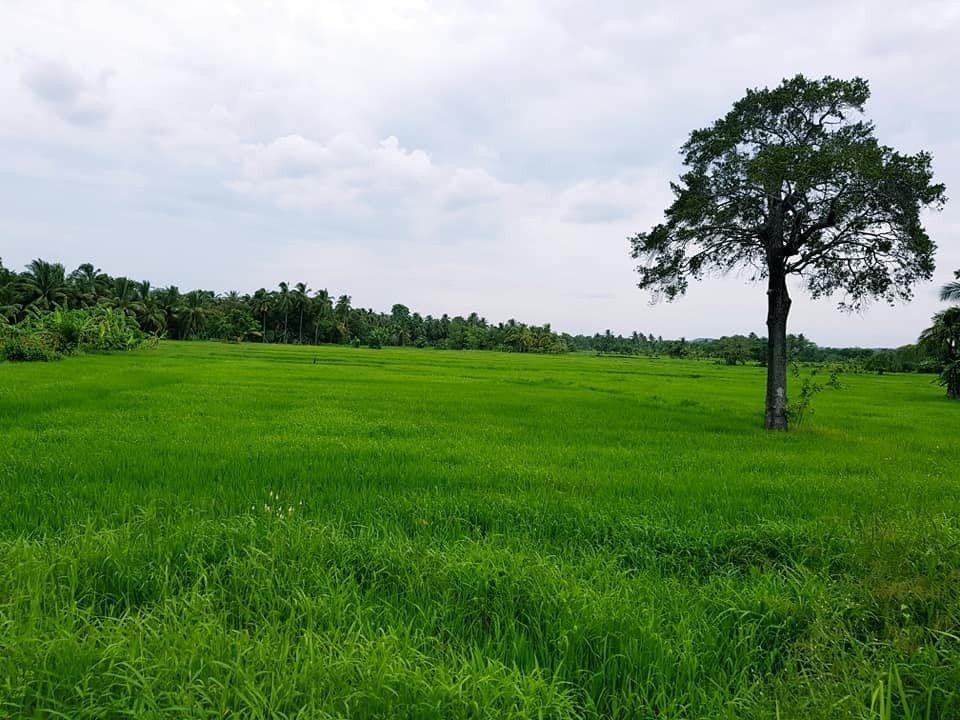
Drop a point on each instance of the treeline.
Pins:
(297, 314)
(752, 349)
(288, 314)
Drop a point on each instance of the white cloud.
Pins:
(374, 189)
(72, 97)
(493, 156)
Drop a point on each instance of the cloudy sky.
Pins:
(454, 156)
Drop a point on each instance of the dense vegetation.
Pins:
(290, 314)
(51, 335)
(942, 339)
(293, 314)
(214, 530)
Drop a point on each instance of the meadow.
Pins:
(207, 530)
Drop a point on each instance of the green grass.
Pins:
(472, 535)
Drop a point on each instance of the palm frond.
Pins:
(950, 291)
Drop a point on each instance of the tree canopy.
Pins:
(793, 182)
(796, 174)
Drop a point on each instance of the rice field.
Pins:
(204, 530)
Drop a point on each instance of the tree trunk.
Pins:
(264, 338)
(301, 327)
(778, 307)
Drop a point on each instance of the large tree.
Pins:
(792, 182)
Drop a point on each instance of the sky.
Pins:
(453, 156)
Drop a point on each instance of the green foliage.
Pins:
(679, 349)
(810, 386)
(235, 317)
(950, 379)
(19, 346)
(790, 176)
(287, 315)
(48, 336)
(951, 291)
(378, 338)
(793, 182)
(482, 535)
(942, 340)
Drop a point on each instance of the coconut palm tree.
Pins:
(9, 310)
(193, 312)
(143, 289)
(283, 304)
(151, 315)
(299, 301)
(126, 296)
(951, 291)
(88, 284)
(322, 311)
(942, 339)
(342, 312)
(261, 304)
(43, 286)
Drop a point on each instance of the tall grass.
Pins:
(207, 530)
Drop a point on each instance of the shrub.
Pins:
(62, 332)
(810, 387)
(19, 346)
(378, 338)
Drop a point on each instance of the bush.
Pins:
(378, 338)
(810, 387)
(25, 347)
(62, 332)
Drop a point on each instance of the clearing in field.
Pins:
(203, 530)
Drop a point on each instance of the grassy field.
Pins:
(466, 535)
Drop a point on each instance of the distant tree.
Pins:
(322, 313)
(151, 316)
(8, 294)
(400, 319)
(192, 313)
(43, 286)
(342, 311)
(791, 183)
(88, 284)
(125, 296)
(734, 350)
(261, 303)
(143, 289)
(679, 349)
(284, 301)
(300, 300)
